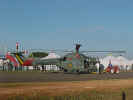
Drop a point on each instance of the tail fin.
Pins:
(19, 59)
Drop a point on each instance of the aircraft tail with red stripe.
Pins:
(12, 59)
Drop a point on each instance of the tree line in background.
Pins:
(38, 54)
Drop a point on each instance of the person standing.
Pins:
(126, 68)
(97, 65)
(42, 68)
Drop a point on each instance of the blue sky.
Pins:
(97, 24)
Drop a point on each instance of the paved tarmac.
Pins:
(6, 77)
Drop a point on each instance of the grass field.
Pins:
(79, 90)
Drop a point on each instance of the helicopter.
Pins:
(74, 62)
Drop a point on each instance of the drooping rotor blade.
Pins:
(113, 51)
(51, 50)
(70, 51)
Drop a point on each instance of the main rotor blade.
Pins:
(118, 51)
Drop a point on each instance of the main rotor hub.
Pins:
(77, 47)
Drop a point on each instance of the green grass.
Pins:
(91, 95)
(23, 84)
(88, 95)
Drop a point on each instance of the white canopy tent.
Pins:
(131, 62)
(119, 61)
(1, 62)
(51, 67)
(123, 61)
(105, 61)
(51, 56)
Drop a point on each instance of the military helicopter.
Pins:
(75, 62)
(72, 62)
